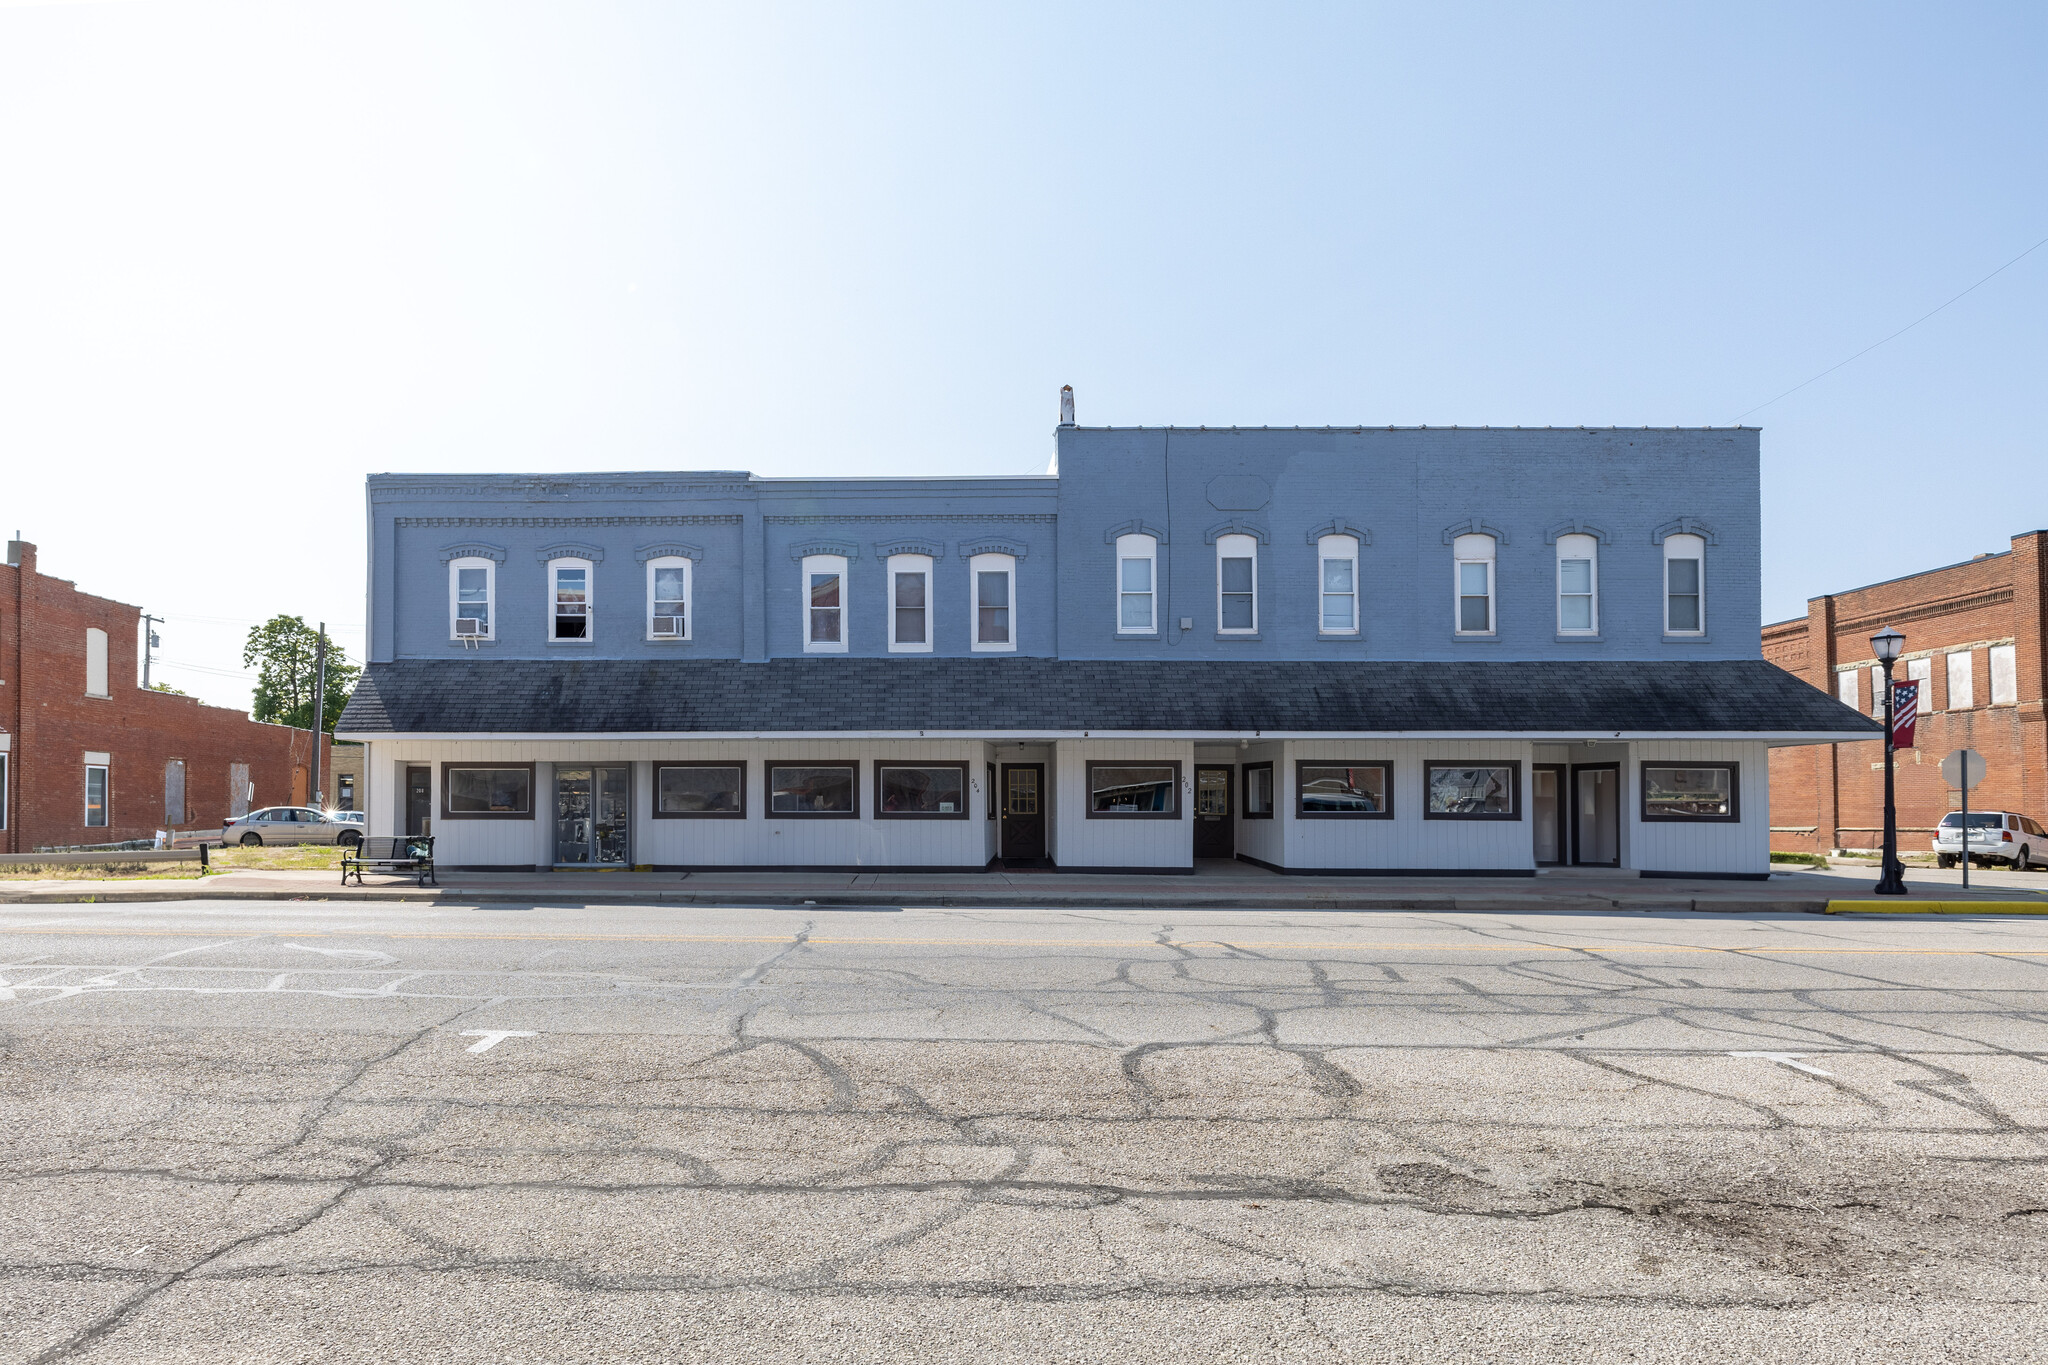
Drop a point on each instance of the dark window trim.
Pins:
(740, 814)
(768, 811)
(960, 766)
(1244, 780)
(1088, 796)
(1231, 793)
(1734, 815)
(1386, 766)
(991, 791)
(532, 792)
(1430, 766)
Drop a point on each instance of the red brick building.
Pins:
(1975, 640)
(89, 757)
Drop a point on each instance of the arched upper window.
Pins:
(1578, 585)
(1472, 570)
(1137, 575)
(910, 604)
(993, 578)
(570, 599)
(824, 604)
(1237, 585)
(472, 599)
(668, 598)
(1337, 580)
(1685, 585)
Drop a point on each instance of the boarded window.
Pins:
(174, 791)
(96, 662)
(2005, 676)
(1962, 691)
(240, 791)
(1848, 689)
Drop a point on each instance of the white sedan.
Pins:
(291, 825)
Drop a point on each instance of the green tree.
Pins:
(283, 651)
(166, 687)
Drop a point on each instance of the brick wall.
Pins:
(51, 723)
(1832, 796)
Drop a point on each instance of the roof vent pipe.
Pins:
(1066, 405)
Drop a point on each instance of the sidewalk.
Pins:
(1220, 885)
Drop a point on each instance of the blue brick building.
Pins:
(1361, 650)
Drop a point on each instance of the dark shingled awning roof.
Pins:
(1059, 696)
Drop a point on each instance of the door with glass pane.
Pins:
(1214, 836)
(591, 815)
(1596, 815)
(1546, 813)
(1023, 812)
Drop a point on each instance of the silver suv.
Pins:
(1995, 836)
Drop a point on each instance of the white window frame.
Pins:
(821, 564)
(1962, 669)
(908, 564)
(1576, 547)
(689, 583)
(97, 682)
(1877, 691)
(1474, 548)
(490, 568)
(2005, 682)
(977, 565)
(1237, 546)
(1922, 671)
(555, 569)
(1333, 549)
(1849, 688)
(1685, 547)
(1136, 546)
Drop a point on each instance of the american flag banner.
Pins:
(1905, 710)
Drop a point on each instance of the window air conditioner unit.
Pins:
(668, 625)
(469, 625)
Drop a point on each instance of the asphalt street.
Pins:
(301, 1131)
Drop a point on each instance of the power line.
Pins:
(1903, 330)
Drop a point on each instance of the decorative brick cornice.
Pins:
(845, 549)
(1576, 528)
(992, 545)
(911, 545)
(570, 549)
(472, 549)
(667, 549)
(1134, 527)
(1685, 526)
(1473, 526)
(1338, 526)
(1236, 526)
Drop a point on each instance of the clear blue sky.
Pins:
(249, 253)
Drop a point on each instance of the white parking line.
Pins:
(488, 1038)
(1790, 1059)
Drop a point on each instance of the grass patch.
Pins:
(1799, 859)
(278, 858)
(100, 872)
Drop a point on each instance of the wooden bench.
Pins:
(399, 853)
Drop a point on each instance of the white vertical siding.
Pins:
(1407, 840)
(1120, 843)
(1742, 846)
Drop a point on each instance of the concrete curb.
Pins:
(1938, 908)
(1495, 904)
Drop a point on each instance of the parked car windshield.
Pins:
(1954, 820)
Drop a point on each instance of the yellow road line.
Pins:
(1937, 907)
(1740, 951)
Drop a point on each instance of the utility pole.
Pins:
(319, 712)
(149, 642)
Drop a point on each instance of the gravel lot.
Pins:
(296, 1131)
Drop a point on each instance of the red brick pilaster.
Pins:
(2030, 622)
(1820, 671)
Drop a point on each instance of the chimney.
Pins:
(1066, 405)
(21, 554)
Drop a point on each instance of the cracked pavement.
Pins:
(247, 1131)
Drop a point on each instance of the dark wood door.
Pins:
(1023, 833)
(419, 800)
(1596, 814)
(1215, 831)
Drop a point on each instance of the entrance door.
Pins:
(419, 800)
(591, 814)
(1596, 815)
(1215, 835)
(1547, 813)
(1023, 810)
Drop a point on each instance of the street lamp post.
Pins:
(1887, 644)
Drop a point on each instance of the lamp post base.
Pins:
(1893, 882)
